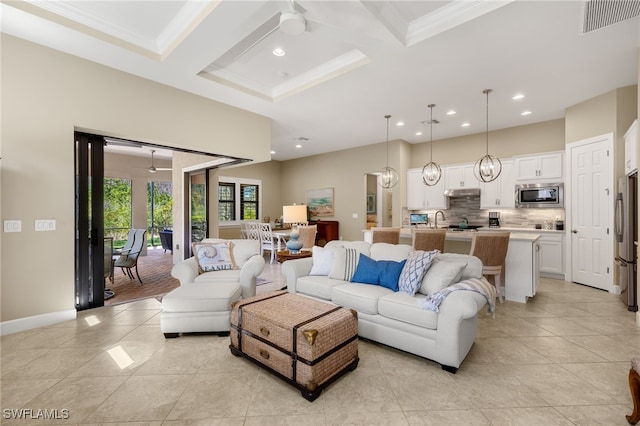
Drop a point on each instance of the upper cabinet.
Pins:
(499, 194)
(539, 167)
(421, 196)
(460, 176)
(631, 148)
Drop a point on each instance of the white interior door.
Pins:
(591, 198)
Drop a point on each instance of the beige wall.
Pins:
(45, 96)
(504, 143)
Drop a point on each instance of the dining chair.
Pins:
(252, 230)
(268, 241)
(307, 236)
(491, 248)
(386, 235)
(128, 259)
(429, 239)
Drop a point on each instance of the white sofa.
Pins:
(395, 318)
(203, 301)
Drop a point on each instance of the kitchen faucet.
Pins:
(436, 217)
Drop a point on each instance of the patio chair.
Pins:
(128, 258)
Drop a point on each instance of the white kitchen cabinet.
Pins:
(552, 255)
(631, 148)
(460, 176)
(522, 269)
(499, 194)
(546, 166)
(421, 196)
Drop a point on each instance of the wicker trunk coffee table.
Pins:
(306, 342)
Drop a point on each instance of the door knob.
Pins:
(575, 231)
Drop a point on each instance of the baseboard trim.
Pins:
(43, 320)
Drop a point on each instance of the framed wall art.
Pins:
(320, 202)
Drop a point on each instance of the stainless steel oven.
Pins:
(539, 195)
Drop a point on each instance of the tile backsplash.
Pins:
(469, 207)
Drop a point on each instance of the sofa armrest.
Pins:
(248, 274)
(292, 269)
(185, 271)
(461, 305)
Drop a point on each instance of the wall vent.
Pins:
(601, 13)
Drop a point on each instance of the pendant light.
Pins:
(431, 172)
(388, 175)
(487, 168)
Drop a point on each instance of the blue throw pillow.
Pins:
(367, 271)
(389, 273)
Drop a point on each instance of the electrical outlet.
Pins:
(354, 215)
(12, 226)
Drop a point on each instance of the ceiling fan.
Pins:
(153, 168)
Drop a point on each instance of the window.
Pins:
(238, 199)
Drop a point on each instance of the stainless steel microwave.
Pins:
(540, 195)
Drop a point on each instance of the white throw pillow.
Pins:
(322, 260)
(417, 265)
(345, 262)
(441, 275)
(214, 256)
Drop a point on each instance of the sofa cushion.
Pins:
(214, 256)
(474, 265)
(386, 251)
(402, 307)
(202, 297)
(361, 297)
(414, 270)
(322, 259)
(441, 275)
(317, 286)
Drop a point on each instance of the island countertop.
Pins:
(407, 233)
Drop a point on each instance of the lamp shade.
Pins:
(294, 214)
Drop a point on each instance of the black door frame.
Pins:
(89, 244)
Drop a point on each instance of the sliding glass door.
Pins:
(198, 206)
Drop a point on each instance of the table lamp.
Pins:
(294, 215)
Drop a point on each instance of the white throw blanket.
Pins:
(479, 285)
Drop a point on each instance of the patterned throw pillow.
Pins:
(417, 265)
(214, 256)
(345, 261)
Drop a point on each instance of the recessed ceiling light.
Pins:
(451, 112)
(517, 96)
(466, 124)
(400, 123)
(418, 133)
(298, 146)
(279, 51)
(272, 152)
(525, 113)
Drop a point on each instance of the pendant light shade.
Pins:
(431, 172)
(388, 175)
(487, 168)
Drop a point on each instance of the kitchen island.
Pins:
(522, 264)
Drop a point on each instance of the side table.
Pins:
(284, 255)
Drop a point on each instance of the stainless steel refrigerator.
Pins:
(627, 237)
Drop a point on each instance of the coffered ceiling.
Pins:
(348, 63)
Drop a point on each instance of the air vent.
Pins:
(601, 13)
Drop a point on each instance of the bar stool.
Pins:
(386, 235)
(491, 249)
(634, 387)
(429, 239)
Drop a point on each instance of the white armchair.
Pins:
(203, 301)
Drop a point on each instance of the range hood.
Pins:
(462, 192)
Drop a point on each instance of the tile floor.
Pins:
(561, 359)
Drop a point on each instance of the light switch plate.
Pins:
(45, 225)
(12, 226)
